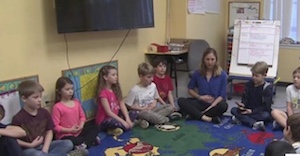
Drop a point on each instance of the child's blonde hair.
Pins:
(145, 69)
(104, 71)
(260, 67)
(29, 87)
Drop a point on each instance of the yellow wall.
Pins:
(30, 44)
(197, 26)
(288, 61)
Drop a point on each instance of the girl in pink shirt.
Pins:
(109, 98)
(69, 118)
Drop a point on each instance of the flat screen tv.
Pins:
(100, 15)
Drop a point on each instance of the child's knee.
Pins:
(234, 111)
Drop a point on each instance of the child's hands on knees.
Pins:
(126, 125)
(130, 123)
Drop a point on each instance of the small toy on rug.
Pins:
(134, 147)
(167, 127)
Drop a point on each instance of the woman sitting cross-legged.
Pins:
(208, 104)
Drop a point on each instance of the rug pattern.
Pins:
(196, 138)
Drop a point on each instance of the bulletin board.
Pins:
(261, 44)
(9, 97)
(243, 10)
(85, 84)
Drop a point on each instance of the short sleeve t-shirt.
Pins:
(113, 102)
(163, 85)
(142, 96)
(293, 96)
(34, 126)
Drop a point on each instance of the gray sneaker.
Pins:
(259, 125)
(174, 116)
(236, 121)
(144, 124)
(79, 152)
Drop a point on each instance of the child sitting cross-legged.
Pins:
(69, 118)
(292, 102)
(143, 98)
(164, 86)
(37, 123)
(112, 115)
(255, 107)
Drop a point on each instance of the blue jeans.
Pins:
(57, 148)
(250, 119)
(10, 147)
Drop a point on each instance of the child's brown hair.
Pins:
(29, 87)
(159, 60)
(60, 84)
(293, 122)
(101, 83)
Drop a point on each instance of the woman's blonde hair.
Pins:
(203, 69)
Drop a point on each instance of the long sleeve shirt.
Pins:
(257, 98)
(64, 116)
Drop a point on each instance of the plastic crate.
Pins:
(239, 88)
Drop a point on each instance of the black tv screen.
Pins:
(98, 15)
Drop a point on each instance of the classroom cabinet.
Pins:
(288, 61)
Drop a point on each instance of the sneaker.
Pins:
(259, 125)
(174, 116)
(115, 132)
(216, 120)
(236, 121)
(276, 126)
(81, 146)
(79, 152)
(144, 124)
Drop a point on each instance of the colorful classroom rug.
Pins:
(193, 138)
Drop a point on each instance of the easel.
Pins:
(239, 70)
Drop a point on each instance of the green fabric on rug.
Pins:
(179, 142)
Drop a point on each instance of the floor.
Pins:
(279, 97)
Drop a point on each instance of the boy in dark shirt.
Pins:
(38, 124)
(255, 107)
(8, 134)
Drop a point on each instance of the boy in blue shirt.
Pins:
(255, 107)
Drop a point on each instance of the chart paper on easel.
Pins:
(256, 43)
(268, 31)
